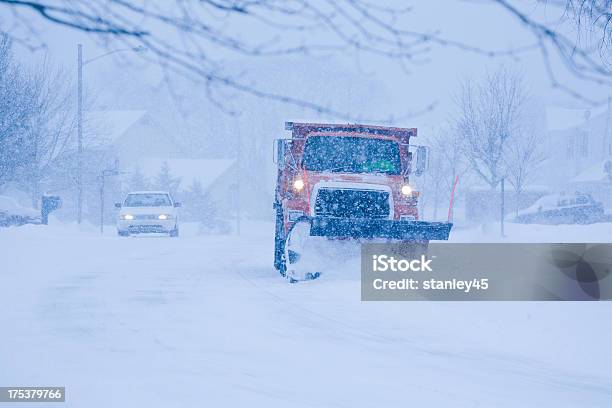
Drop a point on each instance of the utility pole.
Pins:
(607, 139)
(502, 205)
(504, 136)
(102, 204)
(80, 64)
(80, 133)
(238, 186)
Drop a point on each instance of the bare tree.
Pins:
(490, 114)
(591, 16)
(445, 164)
(16, 95)
(195, 37)
(35, 121)
(49, 129)
(522, 158)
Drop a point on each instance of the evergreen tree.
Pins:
(200, 206)
(166, 182)
(138, 181)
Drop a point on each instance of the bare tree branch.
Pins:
(196, 36)
(490, 115)
(581, 61)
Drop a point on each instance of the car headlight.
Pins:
(127, 217)
(406, 189)
(298, 185)
(164, 216)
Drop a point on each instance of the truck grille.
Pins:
(348, 203)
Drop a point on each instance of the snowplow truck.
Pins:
(345, 182)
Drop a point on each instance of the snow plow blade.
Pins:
(391, 229)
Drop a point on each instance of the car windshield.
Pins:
(147, 200)
(351, 155)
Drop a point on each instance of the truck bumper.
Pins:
(391, 229)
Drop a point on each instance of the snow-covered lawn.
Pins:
(206, 321)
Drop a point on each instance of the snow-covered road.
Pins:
(206, 321)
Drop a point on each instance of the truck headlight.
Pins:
(164, 216)
(127, 217)
(406, 189)
(298, 185)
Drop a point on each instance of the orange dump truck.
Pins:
(346, 181)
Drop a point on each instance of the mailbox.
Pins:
(49, 203)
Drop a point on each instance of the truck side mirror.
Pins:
(177, 205)
(421, 160)
(118, 205)
(280, 145)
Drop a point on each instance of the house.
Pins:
(105, 128)
(580, 148)
(101, 132)
(217, 177)
(577, 139)
(124, 140)
(595, 180)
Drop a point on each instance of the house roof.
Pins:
(595, 173)
(564, 118)
(105, 127)
(206, 171)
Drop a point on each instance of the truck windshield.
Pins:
(147, 200)
(351, 155)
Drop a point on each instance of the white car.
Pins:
(148, 212)
(562, 209)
